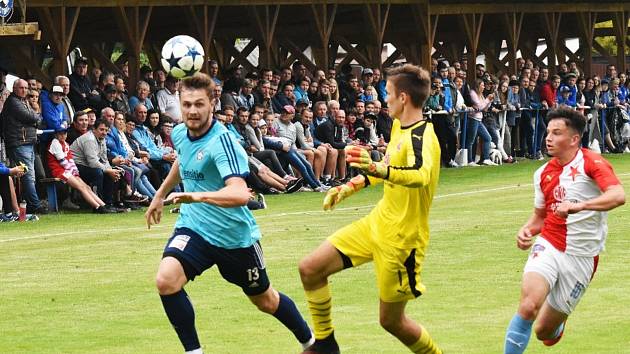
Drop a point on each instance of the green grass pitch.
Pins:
(83, 283)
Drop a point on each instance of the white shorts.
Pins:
(568, 276)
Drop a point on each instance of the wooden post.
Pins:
(472, 26)
(426, 25)
(377, 15)
(265, 20)
(205, 24)
(552, 25)
(513, 23)
(59, 26)
(620, 25)
(133, 24)
(324, 19)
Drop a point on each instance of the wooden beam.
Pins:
(603, 51)
(552, 25)
(240, 57)
(392, 58)
(426, 25)
(19, 29)
(204, 25)
(472, 24)
(620, 25)
(133, 24)
(104, 60)
(513, 23)
(586, 21)
(265, 20)
(298, 53)
(27, 66)
(59, 25)
(351, 50)
(324, 20)
(378, 16)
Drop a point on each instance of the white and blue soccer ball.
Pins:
(182, 56)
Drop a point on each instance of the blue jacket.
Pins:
(448, 98)
(54, 115)
(115, 146)
(4, 170)
(572, 100)
(380, 89)
(312, 127)
(141, 134)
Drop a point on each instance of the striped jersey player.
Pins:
(573, 193)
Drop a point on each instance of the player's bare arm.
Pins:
(154, 212)
(613, 197)
(527, 233)
(234, 194)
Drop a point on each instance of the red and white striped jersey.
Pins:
(584, 178)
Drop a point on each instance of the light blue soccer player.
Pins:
(214, 226)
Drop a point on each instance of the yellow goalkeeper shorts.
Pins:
(397, 270)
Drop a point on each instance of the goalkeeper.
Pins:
(395, 234)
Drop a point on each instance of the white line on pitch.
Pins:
(276, 215)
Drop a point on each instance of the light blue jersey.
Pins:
(204, 165)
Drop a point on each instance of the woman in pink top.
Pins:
(476, 128)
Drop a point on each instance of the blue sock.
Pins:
(517, 336)
(290, 317)
(180, 312)
(558, 330)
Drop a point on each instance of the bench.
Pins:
(51, 191)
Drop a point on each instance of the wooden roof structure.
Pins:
(283, 30)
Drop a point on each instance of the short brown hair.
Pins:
(572, 118)
(412, 80)
(199, 81)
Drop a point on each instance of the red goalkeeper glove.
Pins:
(335, 195)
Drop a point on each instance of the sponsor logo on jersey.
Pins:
(559, 193)
(193, 174)
(538, 248)
(200, 155)
(574, 172)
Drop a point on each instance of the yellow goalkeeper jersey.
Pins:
(401, 217)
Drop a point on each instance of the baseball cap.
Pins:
(302, 101)
(288, 109)
(565, 89)
(61, 130)
(57, 89)
(262, 123)
(83, 60)
(368, 71)
(604, 81)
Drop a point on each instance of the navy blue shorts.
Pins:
(244, 267)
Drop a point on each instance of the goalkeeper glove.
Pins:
(360, 158)
(335, 195)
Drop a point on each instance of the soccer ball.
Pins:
(182, 56)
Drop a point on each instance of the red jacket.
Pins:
(549, 94)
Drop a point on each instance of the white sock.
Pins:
(196, 351)
(309, 343)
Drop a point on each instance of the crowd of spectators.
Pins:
(110, 147)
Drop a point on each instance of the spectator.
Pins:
(301, 90)
(161, 160)
(334, 89)
(262, 96)
(20, 123)
(62, 166)
(80, 86)
(69, 109)
(571, 99)
(549, 92)
(168, 99)
(159, 75)
(4, 91)
(313, 91)
(330, 132)
(287, 131)
(245, 97)
(475, 128)
(316, 156)
(90, 156)
(121, 100)
(213, 71)
(153, 126)
(107, 99)
(78, 128)
(53, 112)
(10, 207)
(142, 91)
(120, 153)
(284, 98)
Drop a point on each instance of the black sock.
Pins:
(290, 317)
(180, 312)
